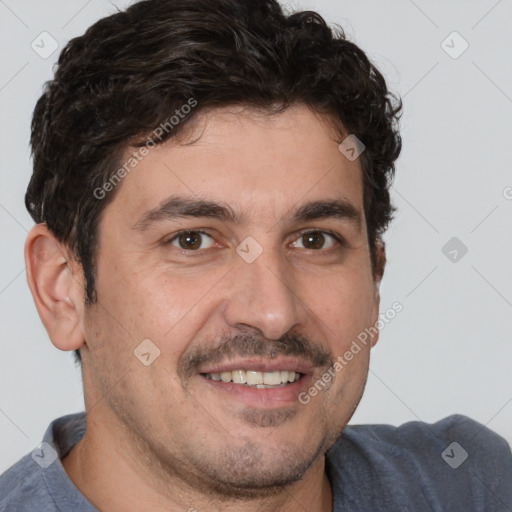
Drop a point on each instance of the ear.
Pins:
(56, 283)
(378, 272)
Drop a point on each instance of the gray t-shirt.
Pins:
(453, 465)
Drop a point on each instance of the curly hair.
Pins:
(130, 71)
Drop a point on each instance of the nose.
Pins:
(260, 296)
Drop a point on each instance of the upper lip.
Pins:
(259, 365)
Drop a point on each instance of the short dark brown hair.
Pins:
(130, 72)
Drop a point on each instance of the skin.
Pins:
(163, 437)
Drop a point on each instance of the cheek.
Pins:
(167, 308)
(342, 307)
(144, 300)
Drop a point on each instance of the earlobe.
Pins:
(56, 288)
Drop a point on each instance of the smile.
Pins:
(256, 379)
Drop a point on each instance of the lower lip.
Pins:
(267, 398)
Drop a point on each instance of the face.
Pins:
(242, 256)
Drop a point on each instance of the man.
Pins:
(210, 188)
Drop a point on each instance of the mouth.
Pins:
(257, 383)
(257, 379)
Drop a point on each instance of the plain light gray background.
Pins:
(449, 350)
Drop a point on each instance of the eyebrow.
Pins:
(338, 209)
(176, 207)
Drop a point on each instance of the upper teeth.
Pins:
(253, 378)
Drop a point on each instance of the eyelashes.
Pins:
(197, 240)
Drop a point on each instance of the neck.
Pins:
(116, 475)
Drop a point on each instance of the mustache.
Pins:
(250, 345)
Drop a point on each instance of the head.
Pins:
(189, 191)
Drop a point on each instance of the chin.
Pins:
(255, 470)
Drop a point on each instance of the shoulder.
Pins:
(455, 461)
(22, 488)
(419, 434)
(38, 481)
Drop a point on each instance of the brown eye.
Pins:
(315, 240)
(191, 240)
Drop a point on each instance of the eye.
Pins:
(191, 240)
(316, 240)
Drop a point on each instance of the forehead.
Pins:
(254, 161)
